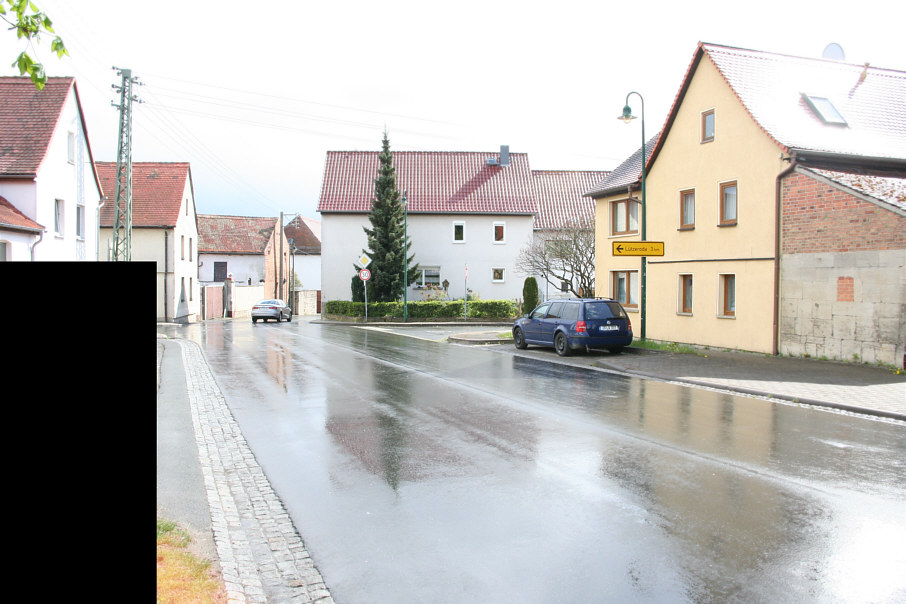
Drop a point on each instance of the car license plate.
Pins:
(610, 327)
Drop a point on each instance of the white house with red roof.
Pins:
(468, 216)
(49, 191)
(246, 249)
(164, 230)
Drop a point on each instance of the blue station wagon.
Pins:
(575, 324)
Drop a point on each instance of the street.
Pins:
(418, 470)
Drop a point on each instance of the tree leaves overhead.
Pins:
(29, 23)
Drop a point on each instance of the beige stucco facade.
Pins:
(708, 252)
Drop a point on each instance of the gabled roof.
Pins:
(772, 88)
(627, 175)
(157, 192)
(12, 219)
(305, 234)
(28, 118)
(440, 182)
(234, 234)
(560, 197)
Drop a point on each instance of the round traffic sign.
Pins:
(364, 274)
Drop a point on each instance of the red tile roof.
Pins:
(301, 231)
(437, 182)
(219, 234)
(157, 192)
(12, 219)
(28, 118)
(561, 199)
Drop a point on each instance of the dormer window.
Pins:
(824, 108)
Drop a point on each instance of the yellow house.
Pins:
(743, 122)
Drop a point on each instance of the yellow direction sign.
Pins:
(638, 248)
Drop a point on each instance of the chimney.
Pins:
(504, 155)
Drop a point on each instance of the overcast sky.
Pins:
(253, 94)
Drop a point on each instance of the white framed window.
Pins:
(71, 147)
(459, 232)
(3, 251)
(58, 216)
(499, 232)
(428, 277)
(498, 275)
(80, 221)
(727, 302)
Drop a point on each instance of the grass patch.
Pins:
(181, 577)
(668, 346)
(507, 335)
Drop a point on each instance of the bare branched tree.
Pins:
(565, 255)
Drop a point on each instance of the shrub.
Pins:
(529, 294)
(425, 310)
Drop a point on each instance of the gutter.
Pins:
(836, 161)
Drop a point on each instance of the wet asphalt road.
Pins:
(430, 472)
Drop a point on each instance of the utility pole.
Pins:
(122, 209)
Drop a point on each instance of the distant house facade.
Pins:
(164, 230)
(468, 216)
(565, 212)
(782, 222)
(49, 190)
(245, 249)
(304, 237)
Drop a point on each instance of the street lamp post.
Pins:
(628, 117)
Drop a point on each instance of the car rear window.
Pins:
(603, 310)
(570, 312)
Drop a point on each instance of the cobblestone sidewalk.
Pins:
(261, 555)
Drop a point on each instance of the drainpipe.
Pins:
(97, 242)
(778, 210)
(166, 270)
(31, 248)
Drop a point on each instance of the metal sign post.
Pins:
(465, 299)
(365, 275)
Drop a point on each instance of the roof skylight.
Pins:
(825, 109)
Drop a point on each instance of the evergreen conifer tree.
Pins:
(387, 233)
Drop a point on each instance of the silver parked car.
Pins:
(271, 309)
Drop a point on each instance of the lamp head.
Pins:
(627, 115)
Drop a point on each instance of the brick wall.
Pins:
(821, 218)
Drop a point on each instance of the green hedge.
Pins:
(479, 309)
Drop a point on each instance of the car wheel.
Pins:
(561, 344)
(519, 339)
(289, 318)
(254, 319)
